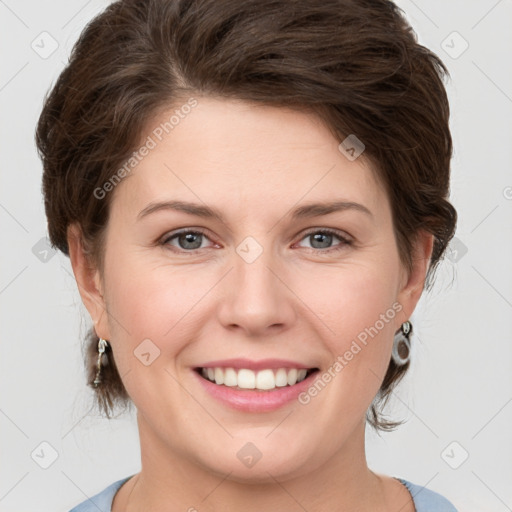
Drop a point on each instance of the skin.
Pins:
(298, 300)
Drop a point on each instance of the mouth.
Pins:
(267, 379)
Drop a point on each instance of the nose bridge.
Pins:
(253, 261)
(256, 298)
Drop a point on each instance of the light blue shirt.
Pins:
(424, 499)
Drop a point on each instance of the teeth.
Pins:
(265, 380)
(248, 379)
(292, 376)
(301, 375)
(281, 378)
(219, 376)
(230, 377)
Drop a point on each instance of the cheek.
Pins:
(142, 308)
(364, 344)
(152, 302)
(353, 298)
(361, 312)
(149, 326)
(149, 296)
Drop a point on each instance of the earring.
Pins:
(401, 351)
(102, 345)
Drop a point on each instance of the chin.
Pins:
(260, 461)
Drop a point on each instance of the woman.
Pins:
(253, 196)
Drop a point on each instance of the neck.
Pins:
(170, 481)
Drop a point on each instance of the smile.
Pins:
(263, 380)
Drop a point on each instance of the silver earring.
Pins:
(401, 351)
(102, 345)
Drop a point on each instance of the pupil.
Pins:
(317, 237)
(189, 239)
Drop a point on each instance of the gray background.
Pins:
(457, 396)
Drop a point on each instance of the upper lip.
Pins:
(249, 364)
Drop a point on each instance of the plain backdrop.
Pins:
(457, 398)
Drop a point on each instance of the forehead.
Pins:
(245, 157)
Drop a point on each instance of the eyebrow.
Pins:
(302, 212)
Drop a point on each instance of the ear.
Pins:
(88, 280)
(413, 282)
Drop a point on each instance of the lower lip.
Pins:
(253, 400)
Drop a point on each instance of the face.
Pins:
(269, 287)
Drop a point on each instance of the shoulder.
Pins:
(426, 500)
(101, 501)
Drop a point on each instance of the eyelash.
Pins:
(345, 241)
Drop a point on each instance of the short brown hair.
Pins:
(354, 63)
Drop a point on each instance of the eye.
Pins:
(187, 240)
(191, 240)
(321, 240)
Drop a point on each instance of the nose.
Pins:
(256, 298)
